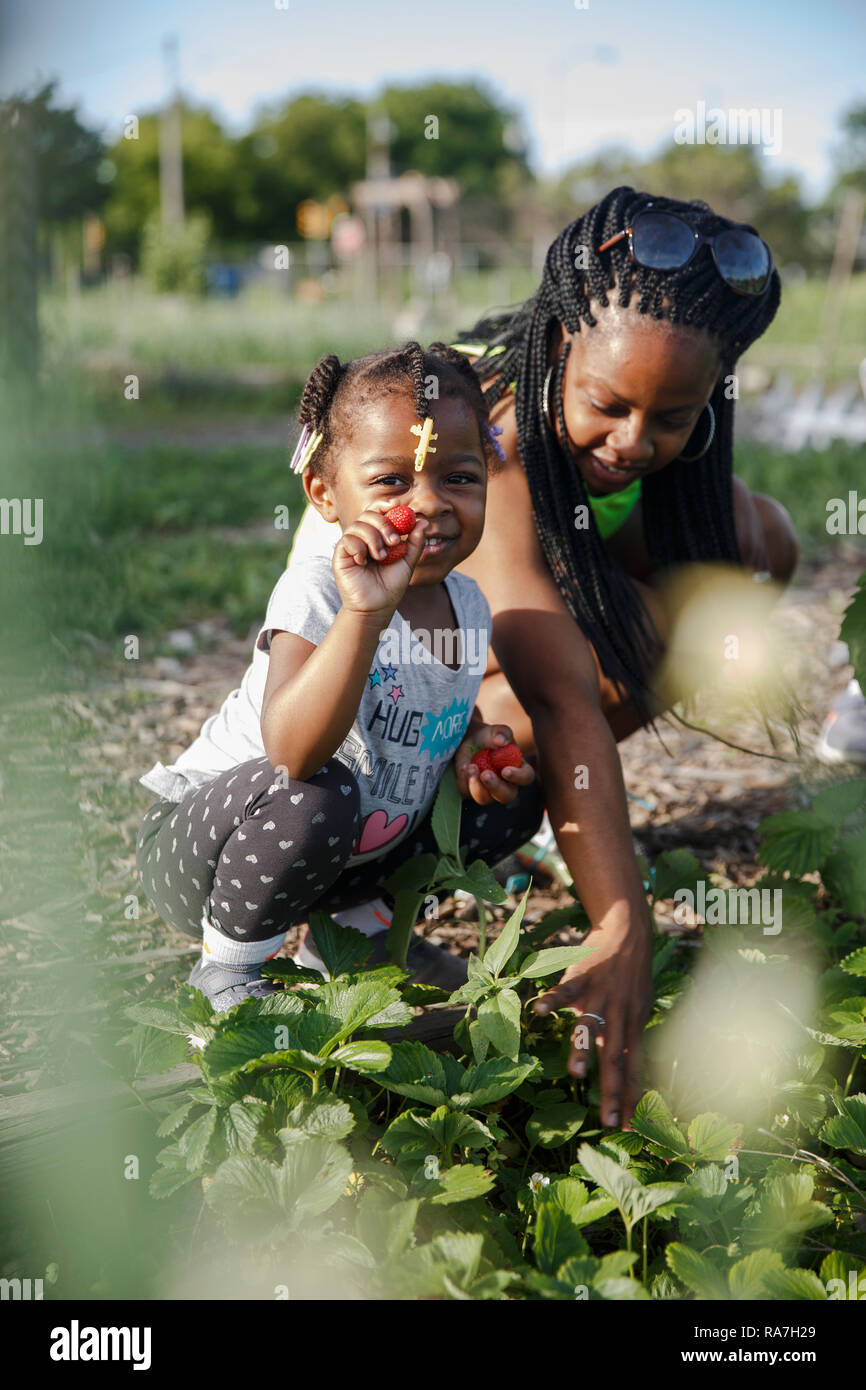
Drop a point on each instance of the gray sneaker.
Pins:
(225, 986)
(427, 964)
(843, 734)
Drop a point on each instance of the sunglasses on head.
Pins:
(663, 241)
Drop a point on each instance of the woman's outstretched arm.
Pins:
(553, 672)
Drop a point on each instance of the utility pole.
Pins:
(171, 140)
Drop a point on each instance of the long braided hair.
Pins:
(688, 512)
(333, 388)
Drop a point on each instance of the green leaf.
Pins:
(323, 1116)
(853, 631)
(439, 1079)
(344, 1006)
(461, 1183)
(747, 1278)
(567, 1193)
(540, 963)
(784, 1211)
(795, 1284)
(193, 1143)
(844, 873)
(413, 1135)
(557, 1238)
(795, 841)
(841, 1267)
(554, 1125)
(241, 1123)
(156, 1013)
(175, 1118)
(413, 875)
(246, 1046)
(848, 1129)
(499, 1019)
(420, 995)
(479, 880)
(155, 1051)
(696, 1272)
(445, 817)
(675, 868)
(855, 963)
(369, 1055)
(713, 1138)
(500, 950)
(287, 970)
(653, 1120)
(608, 1174)
(837, 804)
(259, 1200)
(806, 1102)
(172, 1174)
(342, 949)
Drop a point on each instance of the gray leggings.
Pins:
(258, 854)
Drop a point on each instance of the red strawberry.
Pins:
(509, 755)
(394, 552)
(402, 519)
(482, 760)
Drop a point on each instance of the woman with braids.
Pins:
(317, 776)
(612, 389)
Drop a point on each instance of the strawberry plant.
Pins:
(320, 1132)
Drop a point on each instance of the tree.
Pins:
(68, 160)
(459, 131)
(213, 176)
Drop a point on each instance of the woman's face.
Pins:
(633, 390)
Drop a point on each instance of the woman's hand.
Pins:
(484, 787)
(614, 983)
(365, 584)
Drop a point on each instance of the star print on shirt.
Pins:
(374, 679)
(396, 693)
(389, 673)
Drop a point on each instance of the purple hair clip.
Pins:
(492, 432)
(304, 449)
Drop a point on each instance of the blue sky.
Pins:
(615, 71)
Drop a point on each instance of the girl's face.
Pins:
(632, 393)
(374, 462)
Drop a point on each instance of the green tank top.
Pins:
(610, 512)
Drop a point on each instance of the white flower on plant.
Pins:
(537, 1182)
(783, 1121)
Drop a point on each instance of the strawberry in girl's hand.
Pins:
(403, 520)
(482, 760)
(507, 756)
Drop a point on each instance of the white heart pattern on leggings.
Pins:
(299, 864)
(285, 844)
(269, 825)
(236, 883)
(266, 878)
(213, 832)
(251, 859)
(251, 907)
(318, 818)
(346, 790)
(298, 796)
(241, 835)
(333, 840)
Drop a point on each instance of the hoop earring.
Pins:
(545, 399)
(711, 434)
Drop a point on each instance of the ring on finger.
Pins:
(598, 1018)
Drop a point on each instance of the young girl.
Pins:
(317, 776)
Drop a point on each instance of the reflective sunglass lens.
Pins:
(743, 260)
(662, 242)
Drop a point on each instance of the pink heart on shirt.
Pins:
(379, 831)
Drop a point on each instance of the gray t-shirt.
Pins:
(413, 713)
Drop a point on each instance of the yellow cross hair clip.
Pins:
(425, 432)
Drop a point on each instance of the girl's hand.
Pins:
(484, 787)
(366, 586)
